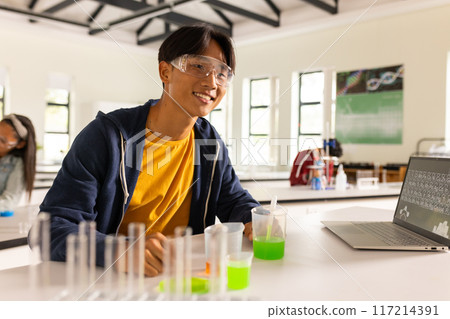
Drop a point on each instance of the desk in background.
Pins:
(14, 229)
(14, 250)
(263, 191)
(388, 173)
(262, 176)
(45, 174)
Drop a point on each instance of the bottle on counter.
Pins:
(341, 179)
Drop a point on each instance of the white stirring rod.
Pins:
(273, 206)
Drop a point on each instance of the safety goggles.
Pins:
(7, 144)
(201, 66)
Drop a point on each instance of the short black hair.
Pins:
(195, 39)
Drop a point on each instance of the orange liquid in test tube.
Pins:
(208, 269)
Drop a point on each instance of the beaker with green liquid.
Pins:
(238, 269)
(269, 231)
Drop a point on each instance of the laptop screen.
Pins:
(425, 197)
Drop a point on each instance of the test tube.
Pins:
(77, 275)
(114, 268)
(71, 257)
(213, 263)
(218, 263)
(108, 268)
(222, 263)
(167, 270)
(44, 220)
(140, 247)
(188, 261)
(121, 266)
(88, 228)
(130, 264)
(178, 265)
(40, 252)
(82, 265)
(183, 262)
(136, 262)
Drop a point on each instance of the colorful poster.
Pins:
(369, 106)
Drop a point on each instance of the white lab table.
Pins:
(317, 265)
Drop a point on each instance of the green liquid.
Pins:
(198, 285)
(238, 277)
(268, 249)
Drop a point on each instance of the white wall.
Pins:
(419, 40)
(100, 70)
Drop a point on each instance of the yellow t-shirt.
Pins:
(162, 196)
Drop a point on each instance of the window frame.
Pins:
(252, 107)
(217, 109)
(67, 105)
(301, 104)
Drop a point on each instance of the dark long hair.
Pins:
(195, 39)
(27, 153)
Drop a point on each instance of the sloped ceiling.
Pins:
(148, 22)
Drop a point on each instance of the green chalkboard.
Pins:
(369, 106)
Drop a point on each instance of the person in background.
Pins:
(161, 163)
(17, 159)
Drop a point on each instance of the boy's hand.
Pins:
(248, 231)
(154, 253)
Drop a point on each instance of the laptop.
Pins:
(422, 217)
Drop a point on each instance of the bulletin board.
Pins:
(369, 106)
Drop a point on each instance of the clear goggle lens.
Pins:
(201, 66)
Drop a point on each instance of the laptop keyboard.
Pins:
(392, 234)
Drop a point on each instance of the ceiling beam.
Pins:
(158, 37)
(59, 6)
(324, 6)
(248, 14)
(224, 18)
(274, 8)
(176, 19)
(44, 16)
(125, 4)
(31, 7)
(180, 20)
(145, 11)
(161, 11)
(154, 11)
(96, 13)
(32, 4)
(143, 26)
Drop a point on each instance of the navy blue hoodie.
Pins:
(99, 174)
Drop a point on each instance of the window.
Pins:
(56, 136)
(259, 119)
(259, 107)
(57, 117)
(311, 110)
(217, 118)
